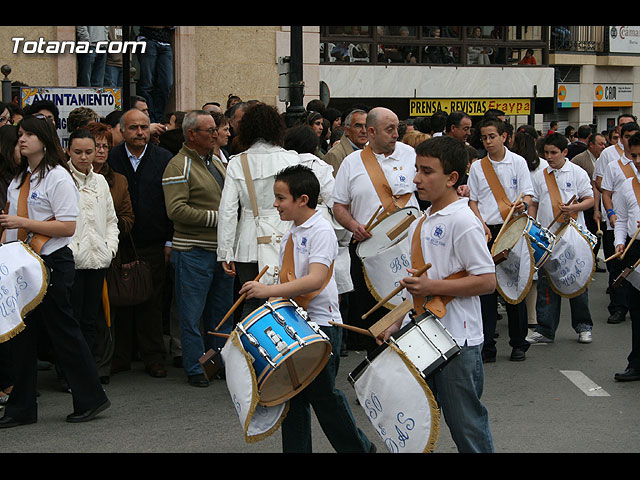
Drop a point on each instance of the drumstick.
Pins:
(506, 220)
(561, 213)
(352, 328)
(224, 335)
(241, 299)
(395, 291)
(624, 274)
(373, 217)
(613, 256)
(629, 244)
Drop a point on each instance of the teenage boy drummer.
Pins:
(572, 181)
(315, 247)
(452, 240)
(495, 182)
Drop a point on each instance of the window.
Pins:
(433, 45)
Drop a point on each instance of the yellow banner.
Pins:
(421, 107)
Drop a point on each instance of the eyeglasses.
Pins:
(102, 146)
(5, 119)
(212, 131)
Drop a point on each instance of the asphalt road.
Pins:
(561, 399)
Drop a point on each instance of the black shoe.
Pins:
(517, 355)
(104, 380)
(198, 380)
(88, 414)
(616, 317)
(629, 375)
(488, 358)
(8, 422)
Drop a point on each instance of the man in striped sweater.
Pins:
(192, 185)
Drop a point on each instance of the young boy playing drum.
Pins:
(572, 181)
(452, 240)
(495, 183)
(315, 248)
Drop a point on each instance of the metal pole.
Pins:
(126, 68)
(295, 110)
(6, 84)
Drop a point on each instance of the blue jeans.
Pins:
(112, 76)
(548, 305)
(156, 77)
(330, 406)
(457, 389)
(91, 69)
(202, 292)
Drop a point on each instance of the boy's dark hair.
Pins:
(494, 122)
(629, 127)
(301, 181)
(451, 152)
(557, 140)
(634, 140)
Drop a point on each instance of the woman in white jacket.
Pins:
(262, 131)
(95, 241)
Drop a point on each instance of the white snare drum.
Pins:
(386, 255)
(427, 343)
(24, 279)
(572, 263)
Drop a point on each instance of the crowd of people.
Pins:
(200, 195)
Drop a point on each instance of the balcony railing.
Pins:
(456, 45)
(578, 38)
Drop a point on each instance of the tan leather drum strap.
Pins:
(626, 169)
(504, 205)
(554, 194)
(288, 273)
(437, 304)
(389, 201)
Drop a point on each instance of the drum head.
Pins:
(389, 231)
(294, 373)
(572, 263)
(510, 235)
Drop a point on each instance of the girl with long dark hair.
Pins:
(52, 206)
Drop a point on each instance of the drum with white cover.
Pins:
(386, 255)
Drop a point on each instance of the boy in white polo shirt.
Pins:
(571, 180)
(315, 247)
(500, 171)
(452, 241)
(628, 212)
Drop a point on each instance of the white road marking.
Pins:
(584, 383)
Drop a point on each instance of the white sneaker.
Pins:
(535, 337)
(584, 337)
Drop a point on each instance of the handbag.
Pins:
(131, 283)
(268, 236)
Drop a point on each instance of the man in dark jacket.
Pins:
(143, 164)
